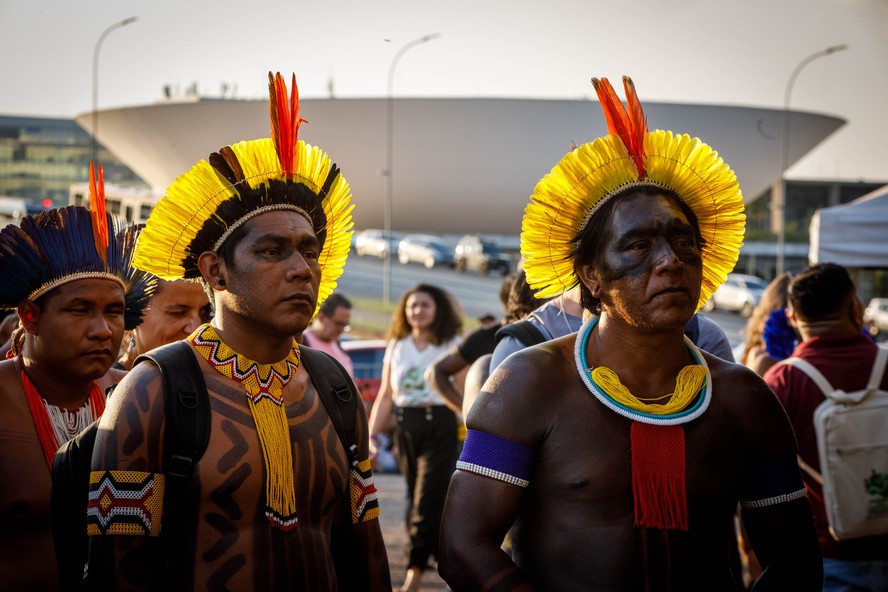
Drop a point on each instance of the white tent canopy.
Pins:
(854, 234)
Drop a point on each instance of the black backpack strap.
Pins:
(341, 399)
(187, 433)
(523, 330)
(338, 393)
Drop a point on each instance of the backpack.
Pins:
(186, 436)
(523, 330)
(852, 445)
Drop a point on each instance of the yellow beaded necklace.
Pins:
(687, 385)
(264, 384)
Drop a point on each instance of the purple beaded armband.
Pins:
(497, 458)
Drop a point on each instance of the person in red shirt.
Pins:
(826, 312)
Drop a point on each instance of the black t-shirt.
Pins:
(477, 343)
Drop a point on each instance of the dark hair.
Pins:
(521, 299)
(589, 242)
(334, 301)
(448, 316)
(820, 291)
(226, 253)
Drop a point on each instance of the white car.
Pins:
(876, 313)
(372, 242)
(740, 293)
(426, 249)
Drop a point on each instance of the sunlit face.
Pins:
(420, 309)
(275, 277)
(651, 269)
(79, 326)
(175, 311)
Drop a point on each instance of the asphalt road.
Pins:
(476, 294)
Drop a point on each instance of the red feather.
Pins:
(284, 119)
(97, 210)
(638, 126)
(614, 112)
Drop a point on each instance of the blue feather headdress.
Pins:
(55, 247)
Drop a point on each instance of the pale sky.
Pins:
(734, 52)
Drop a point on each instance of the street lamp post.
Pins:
(389, 177)
(95, 80)
(778, 207)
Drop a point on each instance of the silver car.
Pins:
(740, 293)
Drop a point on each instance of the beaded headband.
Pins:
(205, 205)
(52, 248)
(565, 200)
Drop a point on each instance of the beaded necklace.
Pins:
(659, 484)
(55, 426)
(264, 385)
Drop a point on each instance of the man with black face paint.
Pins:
(620, 453)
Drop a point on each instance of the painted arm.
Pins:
(126, 467)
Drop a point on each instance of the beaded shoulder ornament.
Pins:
(264, 384)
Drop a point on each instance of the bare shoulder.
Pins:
(9, 377)
(744, 397)
(521, 397)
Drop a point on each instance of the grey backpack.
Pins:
(852, 444)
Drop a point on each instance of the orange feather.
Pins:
(637, 126)
(97, 210)
(614, 112)
(285, 119)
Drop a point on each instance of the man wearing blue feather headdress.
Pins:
(68, 274)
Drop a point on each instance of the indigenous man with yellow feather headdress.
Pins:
(620, 452)
(265, 225)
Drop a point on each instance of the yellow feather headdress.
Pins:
(206, 204)
(565, 199)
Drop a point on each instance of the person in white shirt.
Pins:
(426, 324)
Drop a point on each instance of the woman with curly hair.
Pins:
(763, 351)
(426, 323)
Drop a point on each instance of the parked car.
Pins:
(372, 242)
(429, 250)
(740, 293)
(876, 314)
(472, 252)
(366, 356)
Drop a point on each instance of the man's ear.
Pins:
(28, 313)
(212, 268)
(589, 277)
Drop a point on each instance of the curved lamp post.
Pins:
(387, 262)
(95, 81)
(780, 208)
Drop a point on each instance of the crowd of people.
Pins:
(600, 436)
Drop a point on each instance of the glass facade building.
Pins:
(41, 157)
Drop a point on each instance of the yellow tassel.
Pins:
(688, 383)
(274, 437)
